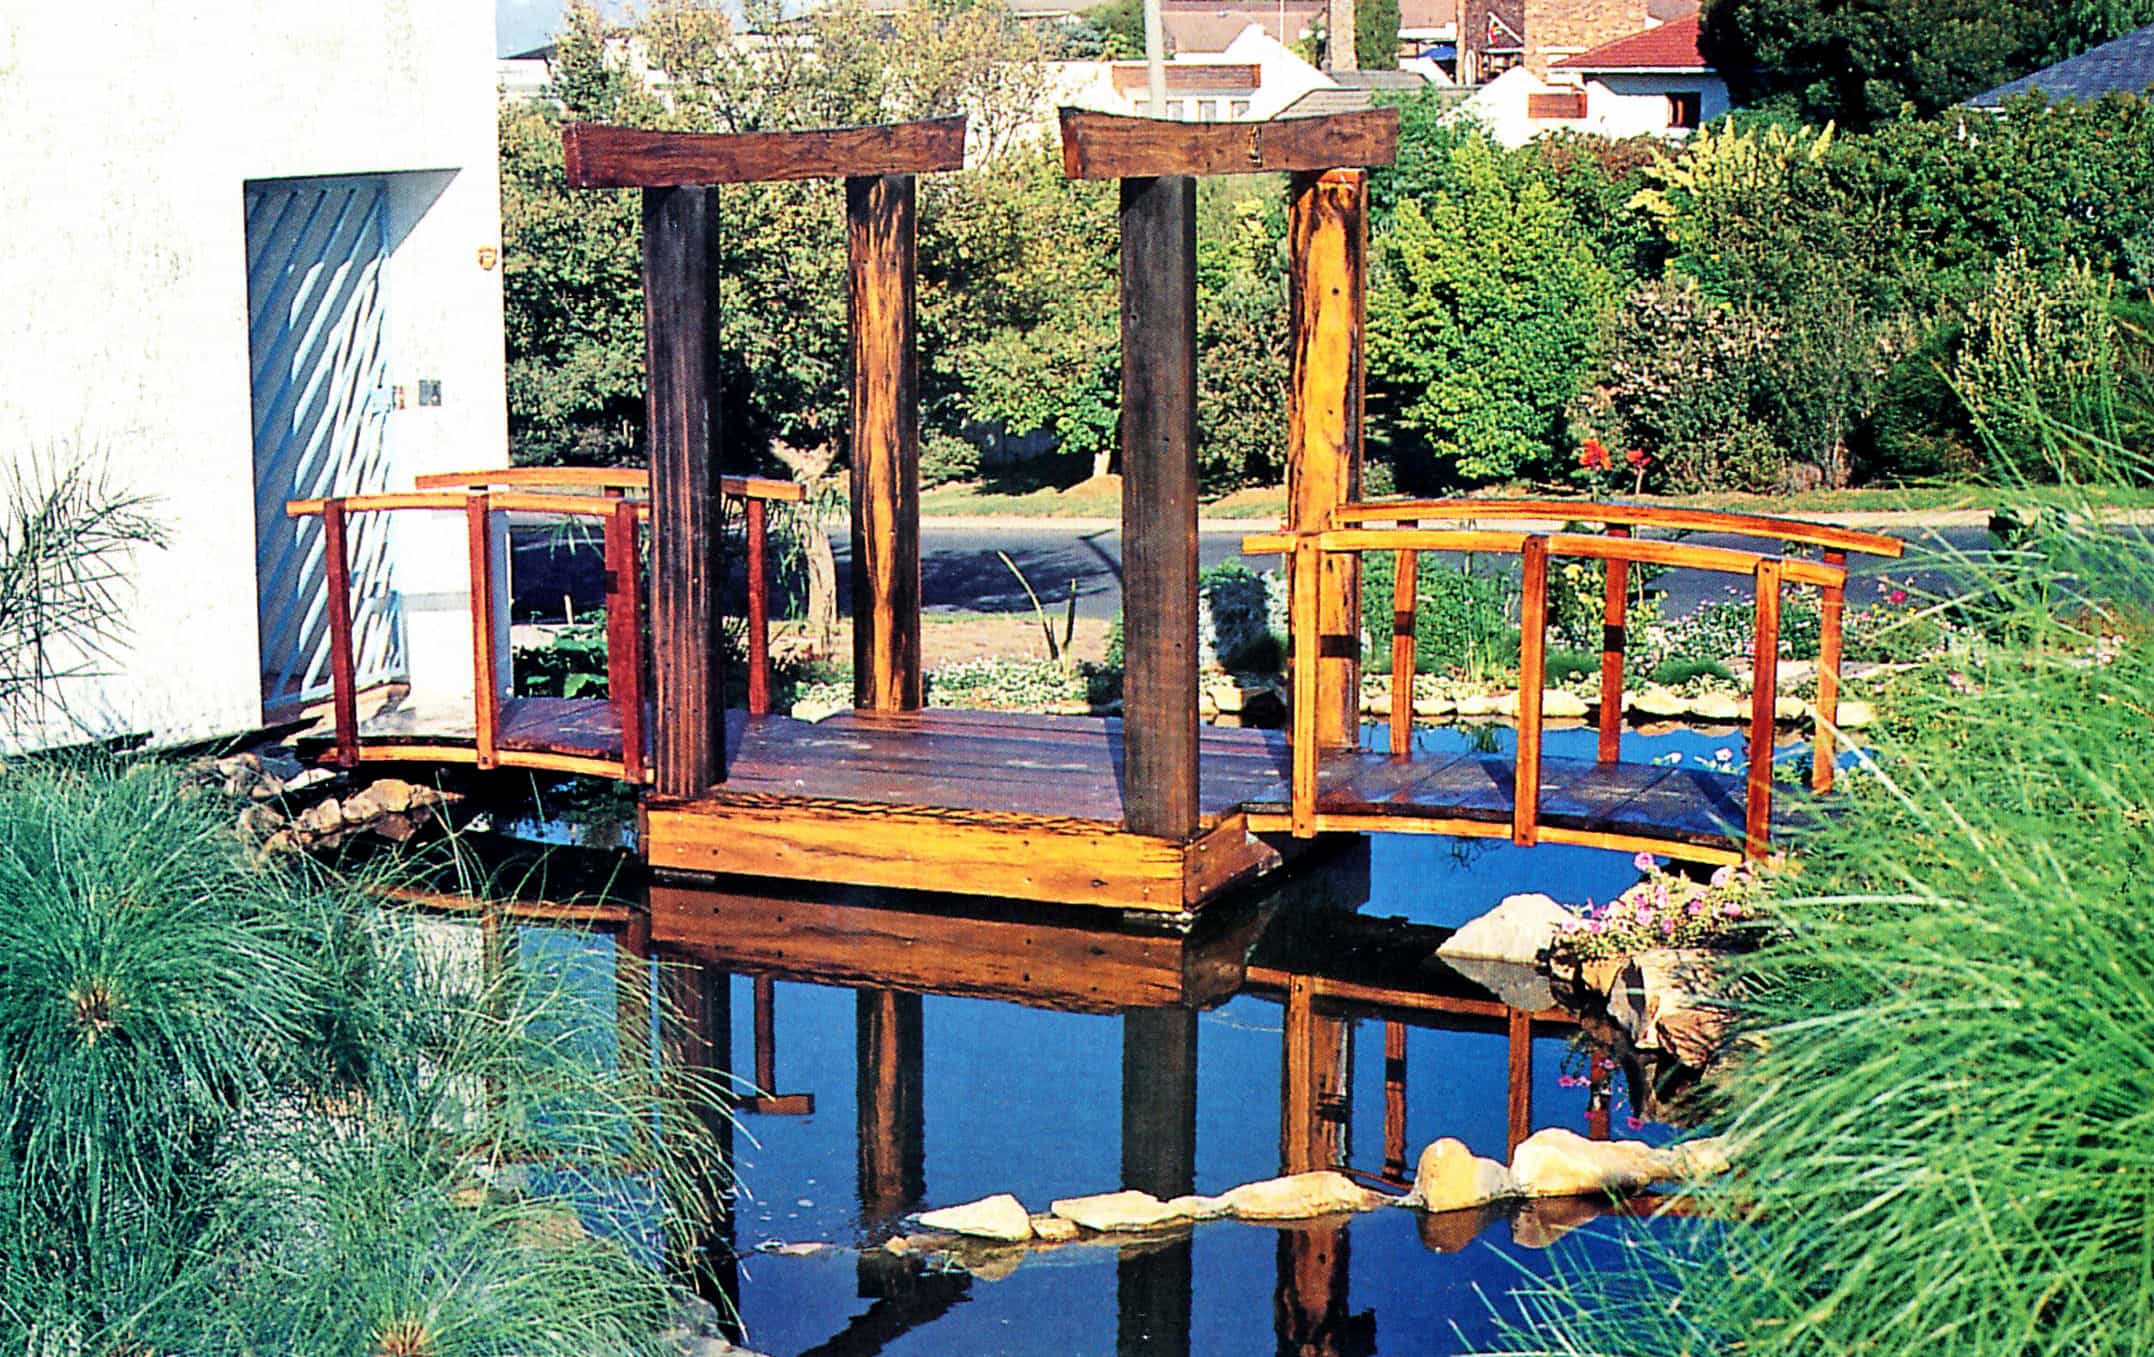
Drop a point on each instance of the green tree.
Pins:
(1859, 63)
(1376, 34)
(1121, 26)
(1483, 314)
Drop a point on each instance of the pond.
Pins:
(925, 1052)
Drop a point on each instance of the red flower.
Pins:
(1593, 456)
(1637, 457)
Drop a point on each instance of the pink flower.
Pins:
(1570, 1081)
(1667, 927)
(1694, 908)
(1897, 596)
(1644, 862)
(1732, 910)
(1634, 1122)
(1722, 876)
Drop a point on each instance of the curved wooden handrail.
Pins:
(624, 520)
(600, 478)
(1826, 535)
(1618, 550)
(1676, 555)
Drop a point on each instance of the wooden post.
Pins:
(1310, 1311)
(1532, 675)
(1404, 592)
(1828, 676)
(680, 314)
(1327, 230)
(1303, 746)
(885, 444)
(485, 663)
(1518, 1078)
(1764, 696)
(767, 1099)
(343, 675)
(888, 1089)
(1159, 505)
(758, 607)
(1614, 610)
(624, 634)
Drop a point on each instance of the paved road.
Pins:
(961, 570)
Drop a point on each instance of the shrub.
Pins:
(1460, 622)
(945, 457)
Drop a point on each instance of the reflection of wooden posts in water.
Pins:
(767, 1099)
(1159, 1156)
(1600, 1076)
(888, 1086)
(1518, 1079)
(1310, 1317)
(1312, 1081)
(695, 1029)
(1395, 1147)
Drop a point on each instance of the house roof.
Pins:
(1672, 46)
(2125, 66)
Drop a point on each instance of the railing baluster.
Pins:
(1764, 693)
(1532, 676)
(624, 635)
(343, 675)
(758, 611)
(485, 663)
(1305, 625)
(1828, 677)
(1403, 663)
(1615, 608)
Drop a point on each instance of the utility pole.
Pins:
(1155, 59)
(1339, 52)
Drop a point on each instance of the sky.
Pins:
(520, 25)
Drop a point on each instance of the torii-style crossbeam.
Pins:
(678, 173)
(1157, 161)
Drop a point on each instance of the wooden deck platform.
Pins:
(1031, 806)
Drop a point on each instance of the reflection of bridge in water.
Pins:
(1299, 944)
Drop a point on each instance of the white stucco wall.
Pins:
(1624, 105)
(132, 131)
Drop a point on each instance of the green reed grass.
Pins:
(1943, 1089)
(249, 1108)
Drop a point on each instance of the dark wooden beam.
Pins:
(886, 444)
(1328, 232)
(1110, 146)
(680, 314)
(633, 157)
(1159, 505)
(1153, 1289)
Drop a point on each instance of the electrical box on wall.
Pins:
(429, 391)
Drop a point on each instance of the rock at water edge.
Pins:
(1301, 1196)
(1000, 1217)
(1560, 1163)
(1108, 1212)
(1451, 1177)
(1517, 930)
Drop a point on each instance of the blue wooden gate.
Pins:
(315, 251)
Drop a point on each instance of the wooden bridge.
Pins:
(1152, 812)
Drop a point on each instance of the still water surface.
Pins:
(934, 1096)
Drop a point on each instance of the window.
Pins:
(1686, 108)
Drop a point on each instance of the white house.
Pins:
(252, 253)
(1254, 78)
(1651, 83)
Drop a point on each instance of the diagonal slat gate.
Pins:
(315, 251)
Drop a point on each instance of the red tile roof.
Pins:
(1671, 47)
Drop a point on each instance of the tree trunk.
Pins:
(812, 468)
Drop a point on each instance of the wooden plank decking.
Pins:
(1029, 787)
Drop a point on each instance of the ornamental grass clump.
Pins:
(1942, 1078)
(248, 1108)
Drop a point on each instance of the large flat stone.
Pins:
(1000, 1217)
(1518, 930)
